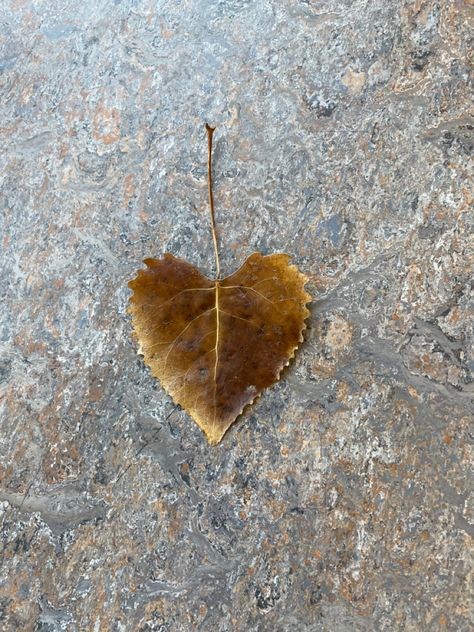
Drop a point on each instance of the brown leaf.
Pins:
(216, 345)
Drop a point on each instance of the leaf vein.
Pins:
(208, 311)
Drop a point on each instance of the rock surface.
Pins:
(340, 500)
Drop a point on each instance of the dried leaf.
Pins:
(215, 345)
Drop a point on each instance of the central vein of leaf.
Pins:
(216, 349)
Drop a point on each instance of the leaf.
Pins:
(215, 345)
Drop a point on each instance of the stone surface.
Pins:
(340, 500)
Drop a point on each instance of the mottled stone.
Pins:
(340, 500)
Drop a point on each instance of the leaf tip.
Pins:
(213, 434)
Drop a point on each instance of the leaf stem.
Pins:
(210, 131)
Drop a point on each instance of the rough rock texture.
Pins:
(340, 500)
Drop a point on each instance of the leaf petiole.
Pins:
(210, 131)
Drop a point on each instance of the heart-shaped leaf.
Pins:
(215, 345)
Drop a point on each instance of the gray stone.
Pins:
(340, 500)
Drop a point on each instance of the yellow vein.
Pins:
(216, 350)
(240, 318)
(182, 332)
(247, 287)
(190, 289)
(169, 342)
(273, 278)
(184, 375)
